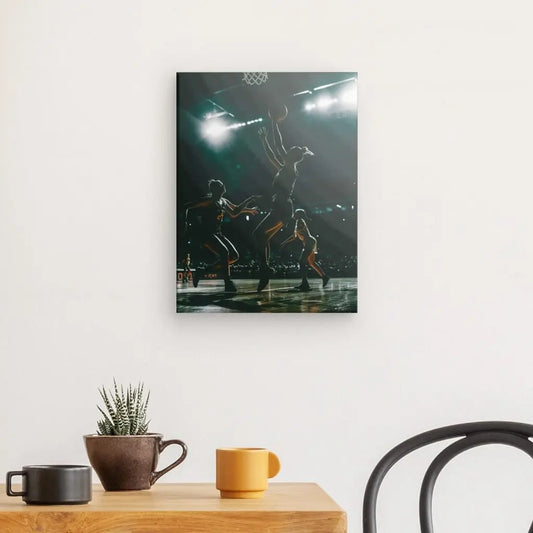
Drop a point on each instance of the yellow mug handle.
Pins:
(274, 465)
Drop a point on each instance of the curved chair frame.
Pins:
(474, 434)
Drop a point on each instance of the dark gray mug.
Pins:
(52, 484)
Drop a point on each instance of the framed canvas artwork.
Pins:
(266, 192)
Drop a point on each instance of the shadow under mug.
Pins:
(52, 484)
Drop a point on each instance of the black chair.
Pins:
(474, 434)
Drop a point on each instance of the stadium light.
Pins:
(324, 102)
(333, 84)
(349, 97)
(303, 92)
(215, 130)
(214, 114)
(342, 100)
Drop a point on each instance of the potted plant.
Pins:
(122, 452)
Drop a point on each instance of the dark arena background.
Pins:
(218, 118)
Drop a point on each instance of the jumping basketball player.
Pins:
(211, 211)
(309, 250)
(285, 162)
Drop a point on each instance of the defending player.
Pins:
(309, 250)
(210, 212)
(285, 162)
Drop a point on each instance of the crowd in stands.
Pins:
(340, 266)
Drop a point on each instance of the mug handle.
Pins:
(274, 464)
(9, 490)
(162, 445)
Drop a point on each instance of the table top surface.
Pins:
(181, 508)
(187, 497)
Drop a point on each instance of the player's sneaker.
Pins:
(265, 273)
(196, 277)
(325, 280)
(263, 281)
(229, 286)
(304, 286)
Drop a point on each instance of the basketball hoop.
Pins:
(255, 78)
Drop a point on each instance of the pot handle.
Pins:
(162, 445)
(9, 490)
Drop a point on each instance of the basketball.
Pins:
(278, 112)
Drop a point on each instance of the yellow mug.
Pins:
(244, 472)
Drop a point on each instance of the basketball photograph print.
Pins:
(266, 192)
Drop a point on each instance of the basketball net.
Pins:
(255, 78)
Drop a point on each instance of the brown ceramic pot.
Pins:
(129, 462)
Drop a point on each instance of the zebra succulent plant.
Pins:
(126, 410)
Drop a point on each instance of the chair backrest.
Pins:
(474, 434)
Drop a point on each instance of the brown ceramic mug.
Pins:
(129, 462)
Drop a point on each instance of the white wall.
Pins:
(87, 210)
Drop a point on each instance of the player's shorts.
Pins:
(282, 209)
(309, 248)
(206, 233)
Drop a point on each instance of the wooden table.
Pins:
(187, 508)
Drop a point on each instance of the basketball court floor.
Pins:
(340, 296)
